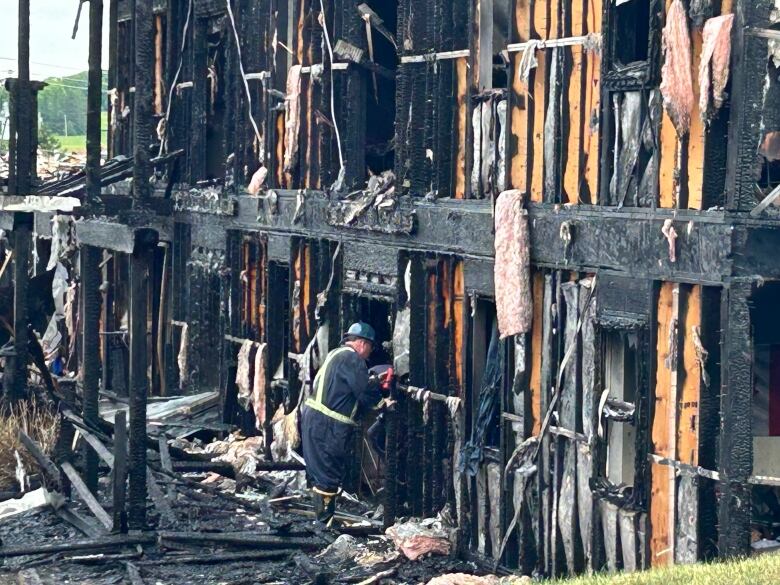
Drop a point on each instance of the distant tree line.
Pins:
(63, 104)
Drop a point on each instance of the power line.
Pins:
(48, 64)
(68, 86)
(71, 81)
(79, 87)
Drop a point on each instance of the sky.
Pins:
(52, 51)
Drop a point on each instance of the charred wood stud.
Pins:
(94, 91)
(15, 374)
(120, 472)
(139, 382)
(90, 273)
(143, 23)
(736, 454)
(23, 128)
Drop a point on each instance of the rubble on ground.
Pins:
(258, 524)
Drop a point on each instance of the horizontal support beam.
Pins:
(710, 248)
(628, 241)
(118, 236)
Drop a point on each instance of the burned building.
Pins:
(562, 214)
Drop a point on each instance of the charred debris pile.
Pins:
(217, 512)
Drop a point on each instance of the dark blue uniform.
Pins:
(341, 390)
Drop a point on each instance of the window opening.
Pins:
(620, 378)
(630, 41)
(380, 96)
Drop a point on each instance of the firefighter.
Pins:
(342, 388)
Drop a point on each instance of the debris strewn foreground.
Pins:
(222, 513)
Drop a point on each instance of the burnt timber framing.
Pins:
(653, 427)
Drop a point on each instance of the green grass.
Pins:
(76, 143)
(73, 143)
(760, 570)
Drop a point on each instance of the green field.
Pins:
(760, 570)
(73, 143)
(78, 143)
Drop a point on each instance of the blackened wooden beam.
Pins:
(749, 66)
(63, 448)
(243, 539)
(80, 522)
(390, 500)
(414, 453)
(143, 25)
(103, 542)
(119, 477)
(213, 559)
(226, 469)
(120, 236)
(15, 373)
(94, 93)
(354, 92)
(50, 471)
(86, 494)
(644, 411)
(198, 102)
(709, 420)
(24, 40)
(21, 155)
(139, 381)
(90, 355)
(736, 452)
(628, 241)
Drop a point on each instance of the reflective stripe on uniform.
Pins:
(318, 402)
(318, 406)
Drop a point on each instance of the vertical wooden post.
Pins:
(143, 24)
(22, 154)
(63, 447)
(94, 92)
(120, 472)
(736, 445)
(570, 410)
(139, 379)
(24, 40)
(15, 375)
(546, 376)
(90, 355)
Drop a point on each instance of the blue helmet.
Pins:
(362, 330)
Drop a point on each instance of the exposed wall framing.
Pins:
(617, 432)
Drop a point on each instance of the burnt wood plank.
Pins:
(736, 453)
(568, 417)
(85, 494)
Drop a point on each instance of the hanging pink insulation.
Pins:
(676, 76)
(514, 306)
(714, 65)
